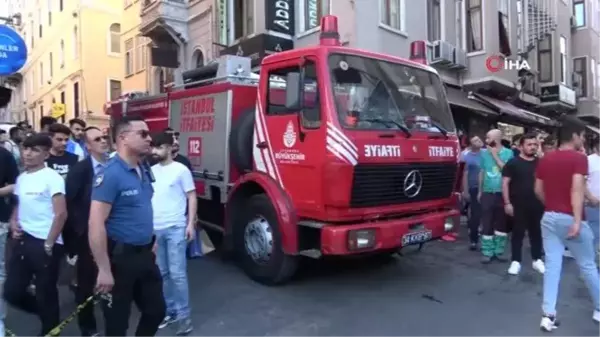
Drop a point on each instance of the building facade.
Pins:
(163, 38)
(518, 62)
(585, 55)
(74, 58)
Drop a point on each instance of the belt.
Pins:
(118, 248)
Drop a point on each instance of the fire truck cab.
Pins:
(329, 151)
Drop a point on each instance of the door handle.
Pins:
(262, 145)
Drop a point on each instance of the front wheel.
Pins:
(258, 246)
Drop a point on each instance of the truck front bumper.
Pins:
(387, 234)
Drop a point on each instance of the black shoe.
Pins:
(500, 258)
(473, 246)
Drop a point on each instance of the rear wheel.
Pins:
(258, 244)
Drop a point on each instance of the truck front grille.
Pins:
(384, 184)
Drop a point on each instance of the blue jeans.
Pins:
(3, 235)
(172, 262)
(555, 227)
(592, 216)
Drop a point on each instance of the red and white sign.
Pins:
(195, 147)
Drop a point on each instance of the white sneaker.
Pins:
(538, 265)
(568, 254)
(515, 268)
(548, 324)
(596, 316)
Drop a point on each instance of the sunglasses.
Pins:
(143, 133)
(99, 139)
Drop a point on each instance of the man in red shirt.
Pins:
(560, 185)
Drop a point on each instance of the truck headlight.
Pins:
(448, 224)
(361, 239)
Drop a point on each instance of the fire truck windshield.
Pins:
(372, 94)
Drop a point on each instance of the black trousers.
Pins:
(137, 279)
(527, 219)
(29, 260)
(86, 274)
(493, 217)
(474, 219)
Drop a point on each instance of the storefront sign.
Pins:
(279, 16)
(258, 47)
(312, 11)
(13, 51)
(558, 94)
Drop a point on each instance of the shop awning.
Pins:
(460, 98)
(594, 129)
(506, 108)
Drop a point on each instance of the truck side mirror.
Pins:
(294, 91)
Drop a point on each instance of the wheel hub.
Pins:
(258, 239)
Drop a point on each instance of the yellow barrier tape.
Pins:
(62, 325)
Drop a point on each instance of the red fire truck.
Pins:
(329, 151)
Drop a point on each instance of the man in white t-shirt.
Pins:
(174, 192)
(36, 226)
(592, 210)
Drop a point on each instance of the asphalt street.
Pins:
(444, 290)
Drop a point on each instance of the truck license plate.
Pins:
(416, 238)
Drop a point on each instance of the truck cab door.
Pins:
(295, 135)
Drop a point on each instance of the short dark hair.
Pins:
(124, 123)
(162, 138)
(38, 140)
(23, 125)
(569, 125)
(523, 137)
(88, 129)
(550, 140)
(91, 128)
(13, 131)
(78, 122)
(59, 128)
(46, 121)
(168, 129)
(518, 138)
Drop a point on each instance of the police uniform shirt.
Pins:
(130, 195)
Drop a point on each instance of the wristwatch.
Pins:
(48, 248)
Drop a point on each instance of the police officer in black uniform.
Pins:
(121, 234)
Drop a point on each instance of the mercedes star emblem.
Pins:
(413, 183)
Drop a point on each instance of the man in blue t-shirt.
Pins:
(493, 219)
(472, 159)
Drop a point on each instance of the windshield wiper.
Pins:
(439, 127)
(386, 121)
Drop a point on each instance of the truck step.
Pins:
(312, 253)
(312, 224)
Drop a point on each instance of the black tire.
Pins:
(280, 267)
(240, 141)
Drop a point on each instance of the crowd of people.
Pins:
(546, 188)
(125, 217)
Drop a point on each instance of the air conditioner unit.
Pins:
(459, 59)
(532, 87)
(443, 53)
